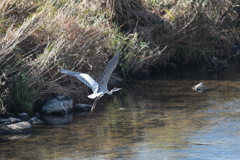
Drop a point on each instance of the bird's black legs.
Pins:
(95, 103)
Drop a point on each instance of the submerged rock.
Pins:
(61, 103)
(16, 128)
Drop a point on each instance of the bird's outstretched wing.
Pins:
(85, 78)
(107, 73)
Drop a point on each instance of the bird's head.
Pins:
(114, 90)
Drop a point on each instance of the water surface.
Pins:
(149, 119)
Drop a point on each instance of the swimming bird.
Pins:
(199, 87)
(99, 89)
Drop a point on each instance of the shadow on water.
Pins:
(149, 119)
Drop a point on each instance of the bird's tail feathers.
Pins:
(96, 95)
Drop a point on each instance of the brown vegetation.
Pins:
(178, 33)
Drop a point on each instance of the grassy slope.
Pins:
(39, 37)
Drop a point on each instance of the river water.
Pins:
(161, 118)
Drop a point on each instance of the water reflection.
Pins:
(57, 119)
(161, 120)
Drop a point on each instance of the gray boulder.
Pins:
(60, 103)
(23, 116)
(16, 128)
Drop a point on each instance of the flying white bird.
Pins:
(99, 89)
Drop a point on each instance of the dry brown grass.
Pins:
(35, 48)
(193, 31)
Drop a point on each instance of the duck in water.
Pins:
(199, 87)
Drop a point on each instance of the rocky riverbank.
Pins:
(54, 111)
(20, 125)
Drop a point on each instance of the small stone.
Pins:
(23, 116)
(35, 120)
